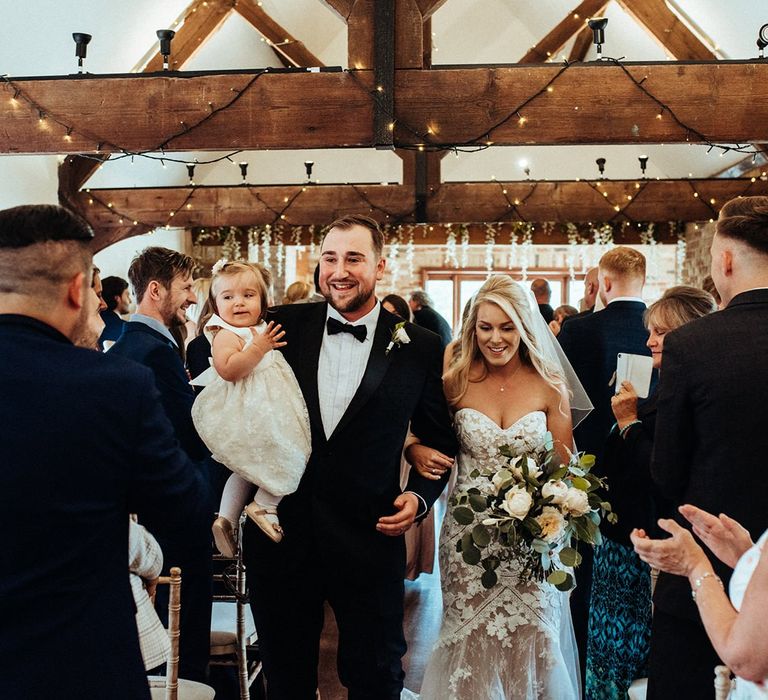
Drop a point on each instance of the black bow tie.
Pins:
(335, 326)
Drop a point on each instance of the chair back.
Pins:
(723, 682)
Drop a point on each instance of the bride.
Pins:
(506, 386)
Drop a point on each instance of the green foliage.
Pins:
(463, 516)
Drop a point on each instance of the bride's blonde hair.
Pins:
(512, 299)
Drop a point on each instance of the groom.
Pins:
(343, 527)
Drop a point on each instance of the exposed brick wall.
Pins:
(698, 239)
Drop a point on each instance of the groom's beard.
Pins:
(349, 304)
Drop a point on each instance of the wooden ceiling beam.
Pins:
(727, 102)
(429, 7)
(285, 45)
(201, 20)
(408, 38)
(668, 29)
(571, 24)
(343, 8)
(533, 201)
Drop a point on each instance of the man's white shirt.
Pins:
(341, 366)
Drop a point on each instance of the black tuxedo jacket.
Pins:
(83, 443)
(711, 439)
(352, 477)
(145, 345)
(592, 344)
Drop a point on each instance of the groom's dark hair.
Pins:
(347, 222)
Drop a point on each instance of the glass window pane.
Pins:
(556, 285)
(441, 292)
(467, 289)
(576, 292)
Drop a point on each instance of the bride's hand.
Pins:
(429, 462)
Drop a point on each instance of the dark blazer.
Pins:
(352, 478)
(145, 345)
(113, 326)
(710, 435)
(84, 443)
(428, 318)
(198, 355)
(627, 464)
(547, 312)
(592, 344)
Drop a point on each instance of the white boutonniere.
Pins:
(399, 337)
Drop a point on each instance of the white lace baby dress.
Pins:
(511, 642)
(257, 426)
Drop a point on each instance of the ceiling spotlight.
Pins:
(601, 166)
(643, 163)
(243, 170)
(597, 26)
(191, 173)
(81, 48)
(165, 36)
(762, 40)
(308, 165)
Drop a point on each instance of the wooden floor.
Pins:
(423, 609)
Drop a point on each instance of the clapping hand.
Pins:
(727, 539)
(624, 404)
(679, 554)
(270, 339)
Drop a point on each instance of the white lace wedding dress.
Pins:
(513, 641)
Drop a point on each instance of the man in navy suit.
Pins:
(711, 436)
(592, 344)
(162, 284)
(117, 297)
(69, 476)
(363, 384)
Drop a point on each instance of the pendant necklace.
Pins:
(510, 377)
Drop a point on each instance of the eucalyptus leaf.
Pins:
(557, 578)
(481, 536)
(463, 515)
(471, 555)
(546, 561)
(477, 502)
(539, 546)
(565, 585)
(580, 483)
(576, 471)
(587, 461)
(559, 474)
(570, 557)
(467, 541)
(489, 578)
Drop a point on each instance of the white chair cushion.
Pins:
(224, 625)
(188, 690)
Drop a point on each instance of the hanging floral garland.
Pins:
(464, 228)
(280, 255)
(573, 243)
(450, 247)
(266, 235)
(253, 245)
(512, 259)
(680, 256)
(410, 251)
(230, 248)
(393, 261)
(490, 242)
(526, 249)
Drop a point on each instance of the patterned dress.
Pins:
(515, 640)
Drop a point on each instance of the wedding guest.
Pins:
(543, 293)
(343, 527)
(592, 343)
(424, 315)
(710, 430)
(162, 284)
(736, 627)
(117, 297)
(620, 609)
(591, 291)
(560, 314)
(85, 440)
(89, 337)
(397, 305)
(298, 292)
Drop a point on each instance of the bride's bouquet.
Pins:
(528, 508)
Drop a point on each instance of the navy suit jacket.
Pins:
(592, 343)
(84, 443)
(145, 345)
(710, 433)
(428, 318)
(113, 326)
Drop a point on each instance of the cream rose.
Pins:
(552, 523)
(576, 502)
(517, 502)
(557, 489)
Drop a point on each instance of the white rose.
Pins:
(557, 489)
(401, 336)
(517, 502)
(497, 479)
(552, 523)
(576, 502)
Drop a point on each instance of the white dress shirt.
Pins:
(340, 369)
